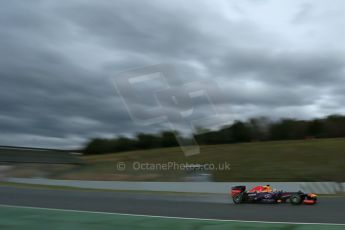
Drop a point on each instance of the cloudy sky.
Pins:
(59, 59)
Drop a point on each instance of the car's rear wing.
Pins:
(237, 190)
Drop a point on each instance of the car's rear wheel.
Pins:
(296, 199)
(238, 198)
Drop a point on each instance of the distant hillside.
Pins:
(303, 160)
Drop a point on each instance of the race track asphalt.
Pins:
(328, 210)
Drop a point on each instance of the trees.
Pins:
(335, 126)
(168, 139)
(316, 128)
(288, 129)
(97, 146)
(257, 129)
(146, 141)
(240, 132)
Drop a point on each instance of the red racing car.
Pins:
(264, 194)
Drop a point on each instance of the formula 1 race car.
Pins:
(264, 194)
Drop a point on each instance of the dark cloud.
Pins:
(58, 58)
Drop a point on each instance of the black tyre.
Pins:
(238, 198)
(296, 199)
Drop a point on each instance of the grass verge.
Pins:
(12, 217)
(302, 160)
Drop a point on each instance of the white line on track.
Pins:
(166, 217)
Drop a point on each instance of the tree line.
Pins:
(255, 129)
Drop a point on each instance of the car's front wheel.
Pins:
(296, 199)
